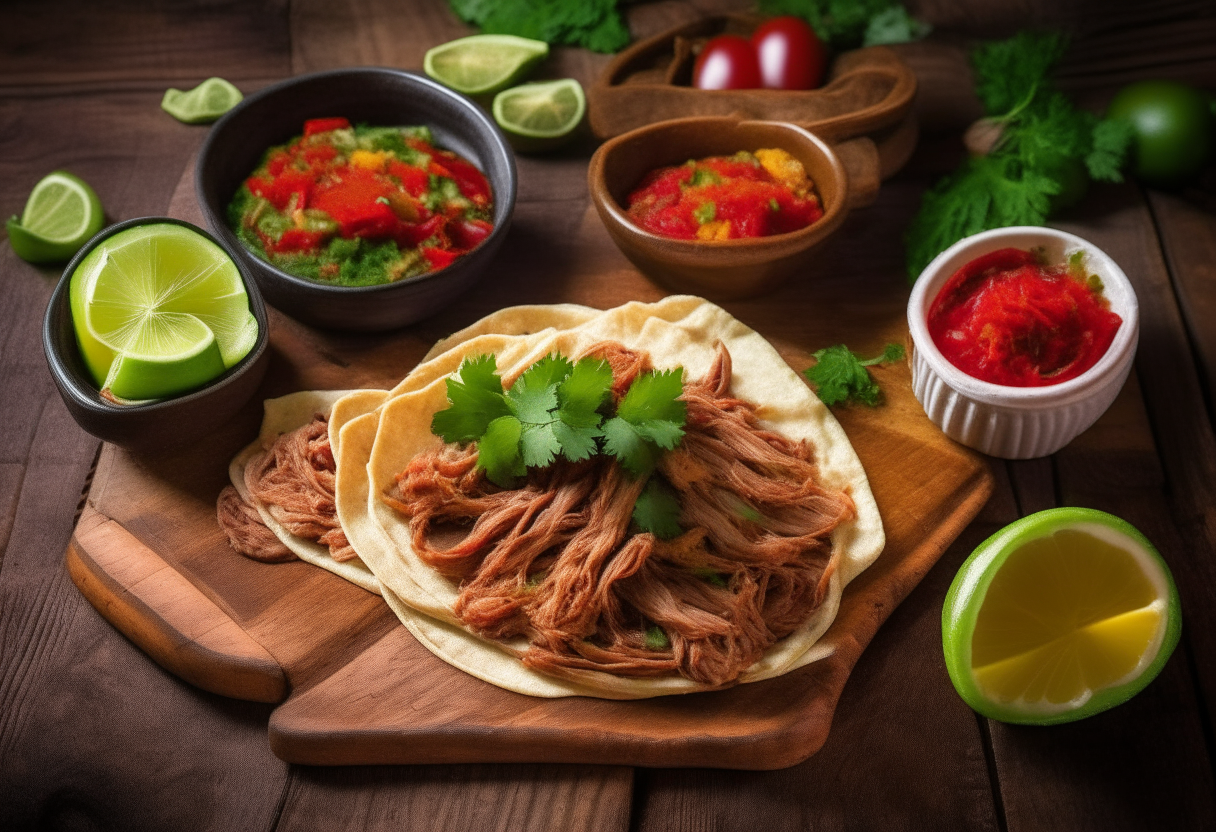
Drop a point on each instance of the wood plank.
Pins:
(1146, 762)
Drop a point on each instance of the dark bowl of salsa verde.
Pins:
(360, 199)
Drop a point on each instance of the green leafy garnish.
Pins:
(656, 639)
(705, 212)
(839, 374)
(594, 24)
(649, 420)
(554, 409)
(658, 511)
(847, 24)
(1045, 152)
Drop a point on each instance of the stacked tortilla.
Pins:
(374, 434)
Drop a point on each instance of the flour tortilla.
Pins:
(283, 415)
(679, 331)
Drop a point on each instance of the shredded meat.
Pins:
(554, 561)
(294, 481)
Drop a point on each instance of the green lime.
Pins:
(540, 116)
(1061, 615)
(60, 216)
(203, 104)
(1172, 130)
(159, 310)
(483, 64)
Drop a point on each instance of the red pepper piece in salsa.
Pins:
(1007, 319)
(726, 197)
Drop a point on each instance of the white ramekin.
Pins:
(1019, 422)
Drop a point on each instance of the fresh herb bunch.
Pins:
(839, 374)
(847, 24)
(1041, 151)
(557, 408)
(593, 24)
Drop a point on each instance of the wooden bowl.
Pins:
(869, 92)
(373, 95)
(845, 176)
(159, 425)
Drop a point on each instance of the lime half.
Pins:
(540, 116)
(1061, 615)
(61, 214)
(203, 104)
(483, 64)
(158, 310)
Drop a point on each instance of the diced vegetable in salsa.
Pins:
(360, 205)
(727, 197)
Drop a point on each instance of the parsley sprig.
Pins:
(840, 374)
(561, 408)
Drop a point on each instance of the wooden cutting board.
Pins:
(353, 687)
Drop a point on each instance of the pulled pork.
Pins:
(554, 561)
(294, 481)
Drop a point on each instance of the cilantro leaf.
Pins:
(654, 395)
(532, 404)
(498, 451)
(840, 375)
(847, 24)
(658, 511)
(549, 371)
(894, 25)
(584, 391)
(1010, 71)
(1112, 139)
(594, 24)
(577, 443)
(656, 639)
(622, 440)
(649, 417)
(539, 445)
(475, 399)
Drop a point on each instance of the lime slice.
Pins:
(483, 64)
(158, 310)
(540, 116)
(1061, 615)
(203, 104)
(60, 216)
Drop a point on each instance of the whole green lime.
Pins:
(1172, 130)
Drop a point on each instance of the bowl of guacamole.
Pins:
(360, 199)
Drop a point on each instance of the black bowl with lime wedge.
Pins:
(204, 398)
(371, 96)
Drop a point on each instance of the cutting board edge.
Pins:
(220, 658)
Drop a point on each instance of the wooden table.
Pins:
(94, 735)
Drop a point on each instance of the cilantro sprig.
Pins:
(561, 408)
(840, 374)
(1041, 151)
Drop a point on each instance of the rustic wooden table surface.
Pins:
(93, 735)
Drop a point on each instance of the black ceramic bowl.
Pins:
(376, 96)
(163, 424)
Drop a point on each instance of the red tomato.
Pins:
(728, 62)
(789, 55)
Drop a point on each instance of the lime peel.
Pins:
(203, 104)
(1101, 654)
(540, 116)
(483, 64)
(61, 215)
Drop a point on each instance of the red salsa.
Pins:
(360, 205)
(1007, 318)
(726, 197)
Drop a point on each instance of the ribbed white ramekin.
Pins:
(1019, 422)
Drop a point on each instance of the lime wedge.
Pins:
(203, 104)
(158, 310)
(540, 116)
(60, 216)
(483, 64)
(1058, 616)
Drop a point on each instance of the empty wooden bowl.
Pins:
(845, 175)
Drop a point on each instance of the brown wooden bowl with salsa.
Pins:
(453, 137)
(731, 266)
